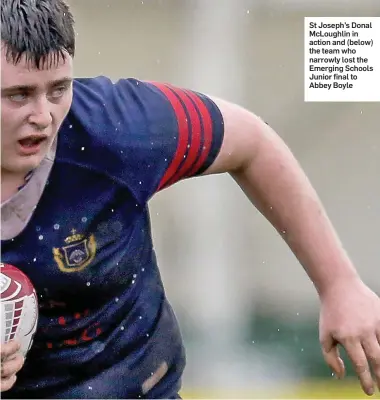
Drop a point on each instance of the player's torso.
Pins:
(88, 251)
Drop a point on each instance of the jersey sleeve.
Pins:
(171, 134)
(145, 136)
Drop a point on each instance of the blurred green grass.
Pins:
(312, 389)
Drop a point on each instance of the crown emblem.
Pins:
(75, 237)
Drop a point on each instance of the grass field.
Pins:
(346, 389)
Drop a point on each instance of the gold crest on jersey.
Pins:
(77, 254)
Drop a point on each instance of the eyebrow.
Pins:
(62, 81)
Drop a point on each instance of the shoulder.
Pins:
(112, 126)
(147, 135)
(103, 108)
(116, 99)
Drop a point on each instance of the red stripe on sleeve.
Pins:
(183, 133)
(207, 130)
(196, 134)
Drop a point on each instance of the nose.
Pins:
(41, 115)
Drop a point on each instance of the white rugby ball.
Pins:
(19, 307)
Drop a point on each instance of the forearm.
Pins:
(275, 183)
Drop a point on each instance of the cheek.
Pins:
(60, 111)
(12, 121)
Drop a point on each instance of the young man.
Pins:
(79, 161)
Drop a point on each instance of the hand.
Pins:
(11, 362)
(350, 316)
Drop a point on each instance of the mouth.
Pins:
(31, 144)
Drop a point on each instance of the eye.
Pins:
(18, 97)
(58, 92)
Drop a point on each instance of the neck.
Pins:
(10, 182)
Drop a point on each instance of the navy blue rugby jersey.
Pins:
(106, 329)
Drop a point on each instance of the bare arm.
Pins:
(270, 176)
(266, 170)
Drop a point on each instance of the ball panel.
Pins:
(19, 307)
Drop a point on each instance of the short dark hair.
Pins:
(42, 30)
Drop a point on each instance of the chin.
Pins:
(23, 166)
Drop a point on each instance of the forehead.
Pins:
(25, 73)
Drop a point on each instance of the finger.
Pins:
(7, 349)
(372, 351)
(332, 357)
(6, 384)
(11, 367)
(359, 360)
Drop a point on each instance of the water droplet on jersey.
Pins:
(301, 349)
(40, 237)
(142, 269)
(117, 299)
(147, 335)
(38, 228)
(283, 232)
(166, 160)
(133, 282)
(140, 183)
(88, 283)
(90, 387)
(122, 328)
(140, 317)
(135, 276)
(278, 329)
(247, 11)
(56, 226)
(253, 341)
(34, 259)
(84, 219)
(298, 314)
(112, 210)
(98, 347)
(99, 53)
(70, 127)
(82, 148)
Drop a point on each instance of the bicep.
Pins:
(243, 131)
